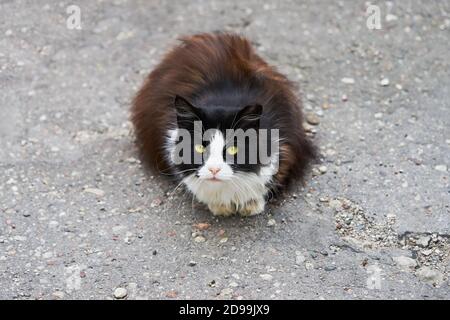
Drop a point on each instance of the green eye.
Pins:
(232, 150)
(199, 148)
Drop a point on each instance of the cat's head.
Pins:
(217, 144)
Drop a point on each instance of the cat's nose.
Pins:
(214, 170)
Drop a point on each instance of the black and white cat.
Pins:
(214, 86)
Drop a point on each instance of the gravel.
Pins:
(120, 293)
(266, 276)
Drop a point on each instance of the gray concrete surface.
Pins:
(80, 217)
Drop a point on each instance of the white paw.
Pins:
(252, 207)
(222, 209)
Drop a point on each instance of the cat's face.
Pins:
(218, 145)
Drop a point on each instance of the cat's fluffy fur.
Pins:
(220, 74)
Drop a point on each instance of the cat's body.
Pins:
(219, 80)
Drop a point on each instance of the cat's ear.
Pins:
(249, 116)
(186, 112)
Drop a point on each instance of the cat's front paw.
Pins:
(222, 209)
(252, 207)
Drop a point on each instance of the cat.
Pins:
(215, 82)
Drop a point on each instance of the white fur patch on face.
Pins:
(228, 187)
(215, 166)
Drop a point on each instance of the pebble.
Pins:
(202, 226)
(199, 239)
(391, 17)
(266, 276)
(384, 82)
(330, 268)
(223, 240)
(405, 263)
(378, 115)
(58, 295)
(192, 263)
(348, 80)
(335, 204)
(97, 192)
(441, 167)
(299, 258)
(271, 223)
(226, 292)
(423, 241)
(429, 275)
(120, 293)
(312, 118)
(323, 169)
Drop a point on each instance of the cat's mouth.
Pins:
(214, 179)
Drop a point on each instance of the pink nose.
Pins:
(214, 171)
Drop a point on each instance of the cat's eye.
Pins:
(232, 150)
(199, 148)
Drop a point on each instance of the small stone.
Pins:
(233, 284)
(299, 258)
(335, 204)
(384, 82)
(344, 98)
(192, 263)
(330, 268)
(310, 97)
(199, 239)
(226, 292)
(423, 241)
(26, 214)
(348, 80)
(271, 223)
(429, 275)
(378, 115)
(312, 118)
(8, 32)
(391, 17)
(47, 255)
(171, 294)
(120, 293)
(323, 169)
(132, 160)
(266, 276)
(58, 295)
(97, 192)
(441, 167)
(223, 240)
(405, 263)
(202, 226)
